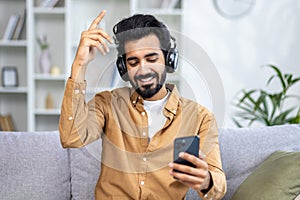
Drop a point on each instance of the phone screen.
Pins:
(189, 144)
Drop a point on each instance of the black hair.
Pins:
(139, 26)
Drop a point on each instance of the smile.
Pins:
(146, 78)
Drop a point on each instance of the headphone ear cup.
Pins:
(122, 68)
(172, 60)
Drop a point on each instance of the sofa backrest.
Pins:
(243, 149)
(33, 166)
(85, 170)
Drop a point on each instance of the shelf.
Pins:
(49, 10)
(13, 43)
(49, 77)
(43, 111)
(14, 90)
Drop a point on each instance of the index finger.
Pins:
(97, 20)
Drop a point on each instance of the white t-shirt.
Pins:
(156, 118)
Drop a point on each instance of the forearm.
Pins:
(78, 124)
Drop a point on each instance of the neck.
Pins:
(159, 95)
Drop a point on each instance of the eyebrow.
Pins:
(147, 55)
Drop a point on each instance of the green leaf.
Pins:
(279, 75)
(282, 117)
(237, 123)
(246, 95)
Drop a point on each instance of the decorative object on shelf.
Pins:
(269, 108)
(49, 104)
(10, 77)
(45, 56)
(55, 70)
(233, 8)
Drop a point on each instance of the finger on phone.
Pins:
(97, 20)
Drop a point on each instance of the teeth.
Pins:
(146, 79)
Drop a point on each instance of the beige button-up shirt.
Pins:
(132, 166)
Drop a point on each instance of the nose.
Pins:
(144, 67)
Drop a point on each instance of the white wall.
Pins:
(269, 34)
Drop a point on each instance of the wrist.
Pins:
(209, 184)
(78, 72)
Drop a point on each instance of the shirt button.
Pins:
(76, 91)
(142, 182)
(144, 134)
(143, 113)
(70, 118)
(83, 91)
(144, 159)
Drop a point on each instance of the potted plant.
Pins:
(268, 108)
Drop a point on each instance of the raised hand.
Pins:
(91, 40)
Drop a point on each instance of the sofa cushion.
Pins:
(33, 166)
(243, 149)
(278, 177)
(85, 170)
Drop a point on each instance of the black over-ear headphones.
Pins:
(171, 61)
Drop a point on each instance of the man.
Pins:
(138, 125)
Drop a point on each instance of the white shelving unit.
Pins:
(63, 25)
(14, 53)
(51, 22)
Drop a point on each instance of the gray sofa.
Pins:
(34, 166)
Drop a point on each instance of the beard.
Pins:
(148, 91)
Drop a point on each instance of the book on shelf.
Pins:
(49, 3)
(6, 123)
(11, 27)
(14, 26)
(19, 26)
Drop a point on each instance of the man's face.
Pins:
(145, 64)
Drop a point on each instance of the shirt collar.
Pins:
(171, 105)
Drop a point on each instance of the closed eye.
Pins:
(133, 63)
(152, 60)
(152, 57)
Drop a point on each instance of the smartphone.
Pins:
(189, 144)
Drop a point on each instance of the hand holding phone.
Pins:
(189, 144)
